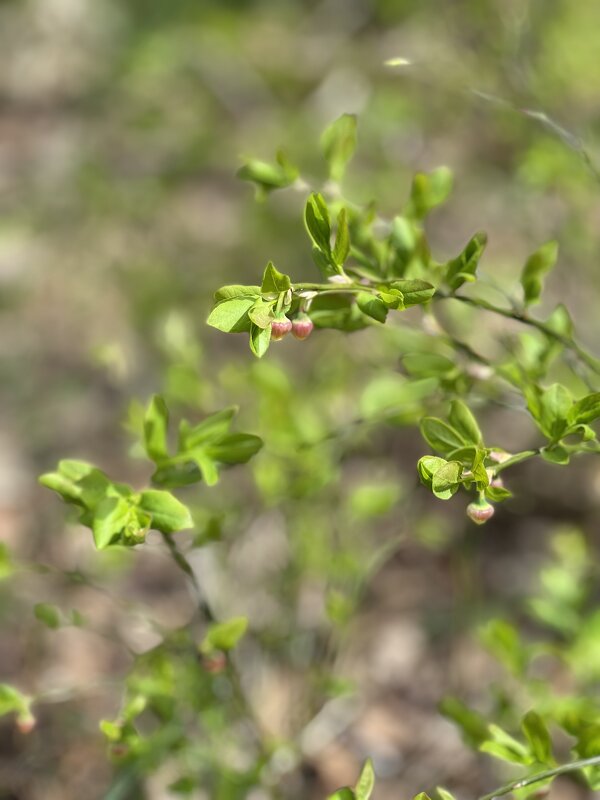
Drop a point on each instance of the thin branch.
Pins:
(542, 776)
(520, 316)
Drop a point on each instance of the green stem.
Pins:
(542, 776)
(239, 695)
(279, 302)
(520, 316)
(334, 288)
(185, 566)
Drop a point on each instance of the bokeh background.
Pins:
(122, 125)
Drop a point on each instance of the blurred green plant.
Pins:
(185, 700)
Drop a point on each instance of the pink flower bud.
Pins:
(480, 511)
(26, 723)
(280, 326)
(215, 663)
(118, 750)
(302, 326)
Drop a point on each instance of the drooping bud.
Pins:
(302, 326)
(215, 662)
(118, 750)
(280, 326)
(480, 511)
(26, 723)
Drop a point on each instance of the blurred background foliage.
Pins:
(122, 125)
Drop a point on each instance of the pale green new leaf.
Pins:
(156, 421)
(463, 421)
(224, 635)
(366, 782)
(167, 513)
(535, 268)
(338, 143)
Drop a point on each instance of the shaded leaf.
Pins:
(338, 143)
(535, 268)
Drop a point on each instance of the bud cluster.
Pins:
(301, 327)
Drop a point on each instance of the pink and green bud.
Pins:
(26, 723)
(480, 511)
(499, 456)
(280, 326)
(302, 326)
(215, 663)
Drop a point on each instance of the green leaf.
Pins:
(206, 465)
(6, 564)
(112, 730)
(478, 469)
(260, 339)
(414, 292)
(472, 725)
(318, 224)
(555, 405)
(441, 436)
(12, 700)
(231, 316)
(111, 517)
(428, 365)
(427, 466)
(48, 614)
(422, 796)
(444, 794)
(224, 635)
(235, 448)
(428, 191)
(372, 306)
(97, 486)
(585, 410)
(167, 513)
(211, 428)
(65, 481)
(446, 480)
(555, 454)
(67, 489)
(269, 176)
(325, 263)
(366, 782)
(537, 735)
(341, 247)
(261, 313)
(497, 493)
(463, 267)
(503, 641)
(463, 421)
(343, 794)
(392, 395)
(156, 421)
(338, 143)
(535, 268)
(236, 290)
(505, 747)
(273, 281)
